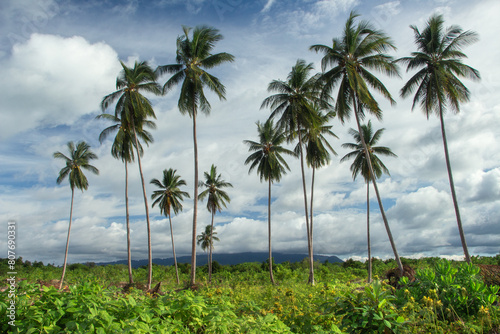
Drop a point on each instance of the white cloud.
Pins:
(484, 186)
(128, 8)
(332, 8)
(54, 80)
(267, 6)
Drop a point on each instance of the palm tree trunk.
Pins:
(308, 229)
(269, 233)
(150, 254)
(129, 255)
(195, 206)
(312, 196)
(210, 249)
(368, 231)
(173, 249)
(372, 177)
(67, 240)
(452, 186)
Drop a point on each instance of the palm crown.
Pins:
(193, 57)
(267, 156)
(169, 196)
(217, 198)
(316, 145)
(360, 50)
(79, 159)
(133, 107)
(206, 238)
(123, 144)
(439, 58)
(360, 165)
(294, 98)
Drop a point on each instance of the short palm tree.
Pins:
(318, 151)
(133, 109)
(123, 148)
(216, 199)
(439, 61)
(206, 240)
(168, 197)
(79, 158)
(271, 166)
(360, 166)
(359, 51)
(292, 103)
(194, 57)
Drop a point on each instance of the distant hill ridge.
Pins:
(229, 259)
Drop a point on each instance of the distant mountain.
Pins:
(228, 259)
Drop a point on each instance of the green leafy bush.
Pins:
(370, 310)
(457, 292)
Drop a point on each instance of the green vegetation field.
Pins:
(446, 297)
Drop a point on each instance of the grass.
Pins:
(241, 300)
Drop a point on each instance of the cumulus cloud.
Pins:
(54, 80)
(422, 209)
(484, 186)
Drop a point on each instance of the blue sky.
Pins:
(62, 57)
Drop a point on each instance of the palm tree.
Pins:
(194, 57)
(317, 154)
(169, 196)
(206, 240)
(360, 50)
(293, 102)
(439, 61)
(133, 109)
(217, 198)
(266, 157)
(123, 148)
(360, 166)
(79, 158)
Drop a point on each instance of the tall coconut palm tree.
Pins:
(216, 199)
(206, 240)
(169, 196)
(360, 166)
(123, 148)
(194, 57)
(293, 104)
(439, 64)
(271, 166)
(361, 49)
(318, 151)
(79, 158)
(133, 109)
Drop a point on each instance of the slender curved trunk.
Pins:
(208, 258)
(173, 249)
(452, 186)
(311, 219)
(129, 255)
(195, 206)
(382, 211)
(368, 231)
(210, 249)
(150, 254)
(67, 240)
(269, 233)
(308, 227)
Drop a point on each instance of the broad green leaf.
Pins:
(382, 303)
